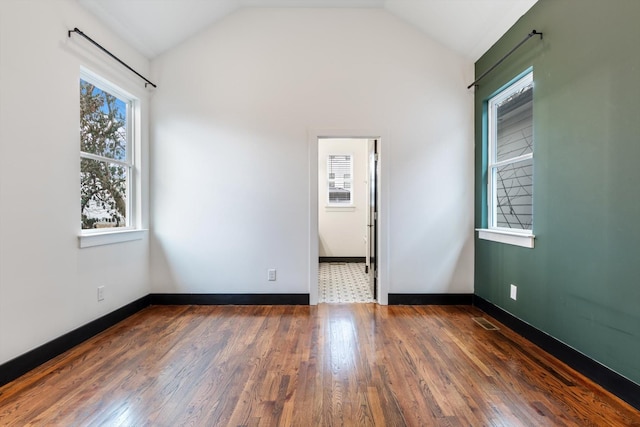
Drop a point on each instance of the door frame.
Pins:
(313, 136)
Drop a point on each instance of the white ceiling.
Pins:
(469, 27)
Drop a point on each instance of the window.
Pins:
(106, 155)
(510, 166)
(339, 173)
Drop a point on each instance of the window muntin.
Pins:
(510, 177)
(106, 155)
(339, 181)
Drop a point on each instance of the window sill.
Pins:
(337, 208)
(509, 238)
(110, 237)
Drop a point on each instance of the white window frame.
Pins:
(132, 230)
(518, 237)
(331, 204)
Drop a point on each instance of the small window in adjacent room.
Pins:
(510, 172)
(339, 173)
(106, 156)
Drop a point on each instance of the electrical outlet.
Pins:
(271, 274)
(100, 293)
(514, 292)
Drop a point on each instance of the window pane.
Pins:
(339, 173)
(103, 194)
(339, 195)
(515, 125)
(514, 189)
(103, 123)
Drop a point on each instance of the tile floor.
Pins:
(343, 283)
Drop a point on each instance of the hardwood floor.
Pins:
(329, 365)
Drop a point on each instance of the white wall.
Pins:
(47, 284)
(231, 161)
(342, 230)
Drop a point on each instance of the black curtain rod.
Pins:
(531, 34)
(76, 30)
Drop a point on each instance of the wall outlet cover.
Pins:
(514, 292)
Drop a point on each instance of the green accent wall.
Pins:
(581, 282)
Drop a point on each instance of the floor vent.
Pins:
(485, 323)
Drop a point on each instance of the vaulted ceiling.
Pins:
(468, 27)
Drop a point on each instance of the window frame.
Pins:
(331, 204)
(493, 232)
(132, 229)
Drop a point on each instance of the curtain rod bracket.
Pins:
(531, 34)
(99, 46)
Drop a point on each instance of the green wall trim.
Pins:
(506, 85)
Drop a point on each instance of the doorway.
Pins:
(347, 220)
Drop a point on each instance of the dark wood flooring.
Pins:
(330, 365)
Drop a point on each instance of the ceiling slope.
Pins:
(468, 27)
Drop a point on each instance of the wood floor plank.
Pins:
(330, 365)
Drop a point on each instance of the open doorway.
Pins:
(347, 220)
